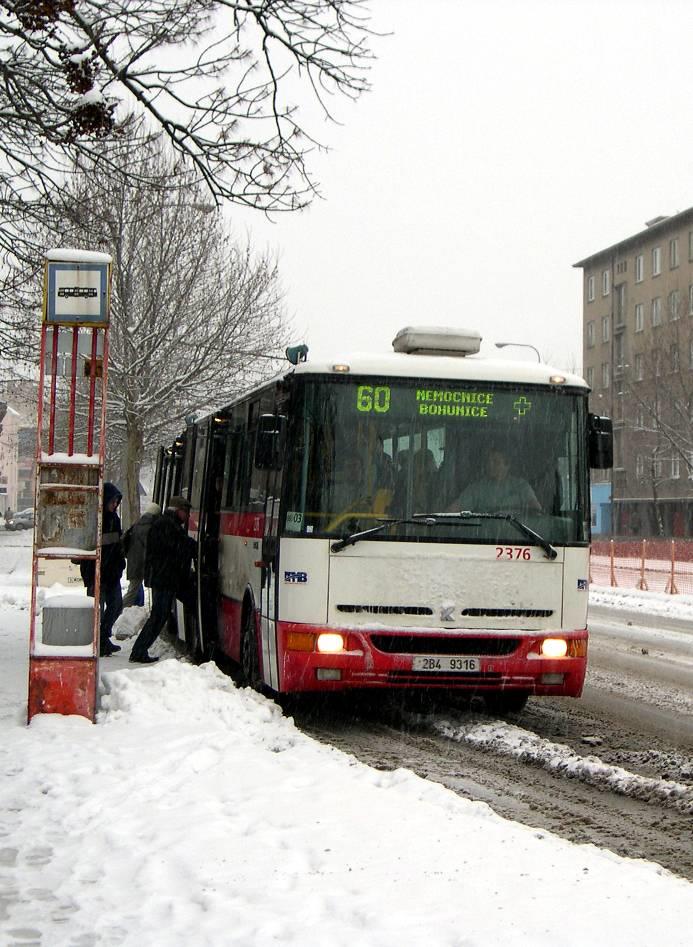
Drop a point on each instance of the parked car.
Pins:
(24, 519)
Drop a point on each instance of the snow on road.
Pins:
(514, 741)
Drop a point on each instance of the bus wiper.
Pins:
(535, 537)
(432, 519)
(363, 534)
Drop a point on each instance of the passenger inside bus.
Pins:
(384, 467)
(423, 490)
(349, 484)
(499, 491)
(425, 481)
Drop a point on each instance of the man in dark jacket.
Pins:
(112, 565)
(134, 547)
(167, 571)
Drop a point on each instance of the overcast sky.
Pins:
(502, 142)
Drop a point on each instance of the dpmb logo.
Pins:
(296, 578)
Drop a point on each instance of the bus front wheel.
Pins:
(250, 658)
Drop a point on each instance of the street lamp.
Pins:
(520, 345)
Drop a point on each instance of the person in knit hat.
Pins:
(134, 546)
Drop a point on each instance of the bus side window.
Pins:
(245, 463)
(231, 465)
(258, 479)
(198, 469)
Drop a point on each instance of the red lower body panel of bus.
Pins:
(474, 661)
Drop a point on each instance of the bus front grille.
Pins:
(437, 644)
(385, 609)
(508, 612)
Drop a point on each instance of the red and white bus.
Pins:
(350, 536)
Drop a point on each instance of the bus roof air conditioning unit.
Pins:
(436, 340)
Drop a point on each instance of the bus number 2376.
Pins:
(513, 552)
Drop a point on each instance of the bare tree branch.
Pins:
(188, 302)
(221, 79)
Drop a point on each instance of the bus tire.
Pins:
(250, 657)
(508, 702)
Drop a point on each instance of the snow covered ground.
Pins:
(195, 814)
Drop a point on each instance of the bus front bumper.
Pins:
(473, 661)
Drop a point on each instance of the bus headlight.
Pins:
(330, 643)
(554, 648)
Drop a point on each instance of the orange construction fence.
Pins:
(650, 565)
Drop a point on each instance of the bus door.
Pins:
(205, 497)
(269, 457)
(159, 476)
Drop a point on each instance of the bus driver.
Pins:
(499, 491)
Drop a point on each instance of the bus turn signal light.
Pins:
(577, 647)
(299, 641)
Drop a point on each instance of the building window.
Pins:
(690, 244)
(590, 334)
(656, 261)
(605, 328)
(590, 289)
(618, 351)
(690, 300)
(639, 268)
(674, 253)
(606, 282)
(605, 374)
(619, 348)
(639, 466)
(640, 418)
(622, 266)
(657, 467)
(656, 311)
(640, 317)
(638, 368)
(589, 375)
(674, 304)
(674, 357)
(675, 467)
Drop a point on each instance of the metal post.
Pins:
(611, 559)
(671, 584)
(642, 584)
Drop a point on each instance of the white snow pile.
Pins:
(556, 757)
(648, 603)
(195, 813)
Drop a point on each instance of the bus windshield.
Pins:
(360, 453)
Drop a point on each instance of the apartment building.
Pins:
(17, 445)
(638, 361)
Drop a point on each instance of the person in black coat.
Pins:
(112, 566)
(167, 566)
(134, 547)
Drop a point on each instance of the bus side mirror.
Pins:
(269, 441)
(600, 442)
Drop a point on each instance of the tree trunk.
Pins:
(130, 466)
